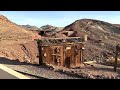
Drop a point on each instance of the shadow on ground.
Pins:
(4, 60)
(7, 61)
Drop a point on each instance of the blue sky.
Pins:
(59, 18)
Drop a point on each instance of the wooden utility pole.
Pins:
(116, 57)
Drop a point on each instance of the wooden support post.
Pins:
(81, 55)
(40, 52)
(64, 53)
(116, 58)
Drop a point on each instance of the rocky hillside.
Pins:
(51, 29)
(117, 25)
(9, 31)
(32, 29)
(102, 37)
(29, 27)
(45, 27)
(17, 42)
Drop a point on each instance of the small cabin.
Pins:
(67, 52)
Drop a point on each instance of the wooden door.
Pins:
(72, 55)
(67, 59)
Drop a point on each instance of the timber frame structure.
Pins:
(61, 52)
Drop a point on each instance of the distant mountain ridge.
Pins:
(52, 29)
(29, 27)
(45, 27)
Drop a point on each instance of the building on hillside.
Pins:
(67, 52)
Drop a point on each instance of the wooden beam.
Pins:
(40, 53)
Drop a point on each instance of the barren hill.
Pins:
(9, 31)
(102, 37)
(16, 42)
(51, 29)
(29, 27)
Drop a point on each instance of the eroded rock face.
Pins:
(17, 43)
(10, 31)
(26, 52)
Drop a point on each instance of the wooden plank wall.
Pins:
(68, 57)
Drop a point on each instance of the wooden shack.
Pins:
(61, 52)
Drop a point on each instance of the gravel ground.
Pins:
(39, 71)
(96, 71)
